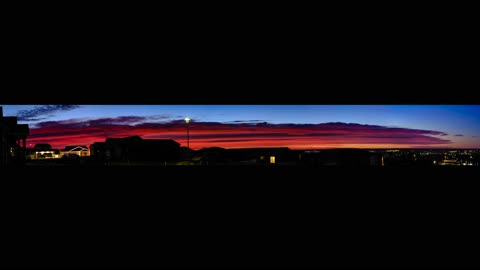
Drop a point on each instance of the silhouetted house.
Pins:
(98, 150)
(136, 149)
(77, 150)
(12, 140)
(340, 157)
(123, 149)
(217, 155)
(186, 153)
(262, 155)
(43, 151)
(211, 156)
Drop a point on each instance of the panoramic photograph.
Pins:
(240, 135)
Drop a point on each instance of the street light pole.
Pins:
(187, 120)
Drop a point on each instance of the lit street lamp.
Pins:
(187, 120)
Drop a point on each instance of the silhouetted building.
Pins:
(262, 155)
(98, 150)
(134, 148)
(12, 140)
(43, 151)
(77, 150)
(217, 155)
(210, 156)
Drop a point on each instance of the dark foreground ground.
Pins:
(239, 217)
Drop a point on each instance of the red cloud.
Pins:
(231, 135)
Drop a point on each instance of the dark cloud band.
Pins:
(43, 112)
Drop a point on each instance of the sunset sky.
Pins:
(236, 126)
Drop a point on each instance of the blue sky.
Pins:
(450, 119)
